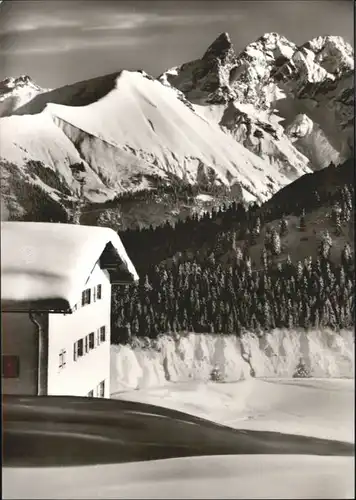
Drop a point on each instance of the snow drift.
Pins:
(194, 356)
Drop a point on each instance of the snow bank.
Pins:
(194, 356)
(190, 357)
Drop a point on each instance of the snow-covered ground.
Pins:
(241, 476)
(313, 407)
(175, 372)
(274, 401)
(320, 408)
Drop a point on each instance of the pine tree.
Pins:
(325, 245)
(302, 222)
(346, 256)
(268, 239)
(264, 258)
(275, 243)
(256, 231)
(283, 228)
(301, 370)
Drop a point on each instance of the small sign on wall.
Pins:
(10, 366)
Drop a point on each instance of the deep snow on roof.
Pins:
(50, 263)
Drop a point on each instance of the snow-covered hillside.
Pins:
(137, 132)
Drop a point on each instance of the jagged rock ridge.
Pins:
(274, 75)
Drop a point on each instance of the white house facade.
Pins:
(79, 343)
(56, 304)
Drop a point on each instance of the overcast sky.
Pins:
(61, 42)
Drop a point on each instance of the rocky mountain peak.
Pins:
(14, 92)
(12, 83)
(221, 48)
(332, 53)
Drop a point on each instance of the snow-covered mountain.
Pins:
(16, 92)
(274, 75)
(127, 132)
(209, 122)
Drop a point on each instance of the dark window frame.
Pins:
(102, 333)
(91, 341)
(86, 297)
(80, 348)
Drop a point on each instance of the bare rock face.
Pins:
(310, 140)
(272, 74)
(221, 75)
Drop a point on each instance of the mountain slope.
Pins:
(132, 132)
(223, 231)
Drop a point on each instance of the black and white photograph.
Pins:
(177, 249)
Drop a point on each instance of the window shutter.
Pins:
(87, 344)
(10, 366)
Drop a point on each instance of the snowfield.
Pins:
(321, 408)
(273, 401)
(312, 407)
(251, 476)
(175, 374)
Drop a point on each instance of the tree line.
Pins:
(195, 290)
(209, 297)
(220, 228)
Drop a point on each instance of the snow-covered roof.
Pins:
(45, 266)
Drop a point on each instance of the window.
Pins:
(78, 349)
(102, 333)
(62, 358)
(98, 292)
(86, 297)
(10, 366)
(91, 340)
(90, 394)
(101, 389)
